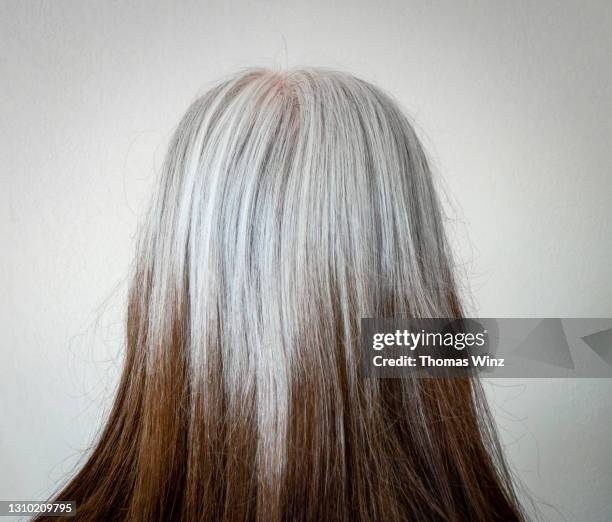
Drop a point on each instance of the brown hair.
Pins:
(290, 206)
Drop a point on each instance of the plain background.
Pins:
(513, 101)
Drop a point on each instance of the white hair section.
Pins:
(291, 203)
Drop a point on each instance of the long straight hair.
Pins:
(290, 205)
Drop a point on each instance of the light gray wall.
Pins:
(513, 101)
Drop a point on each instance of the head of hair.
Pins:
(290, 206)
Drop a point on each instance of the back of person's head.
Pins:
(290, 206)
